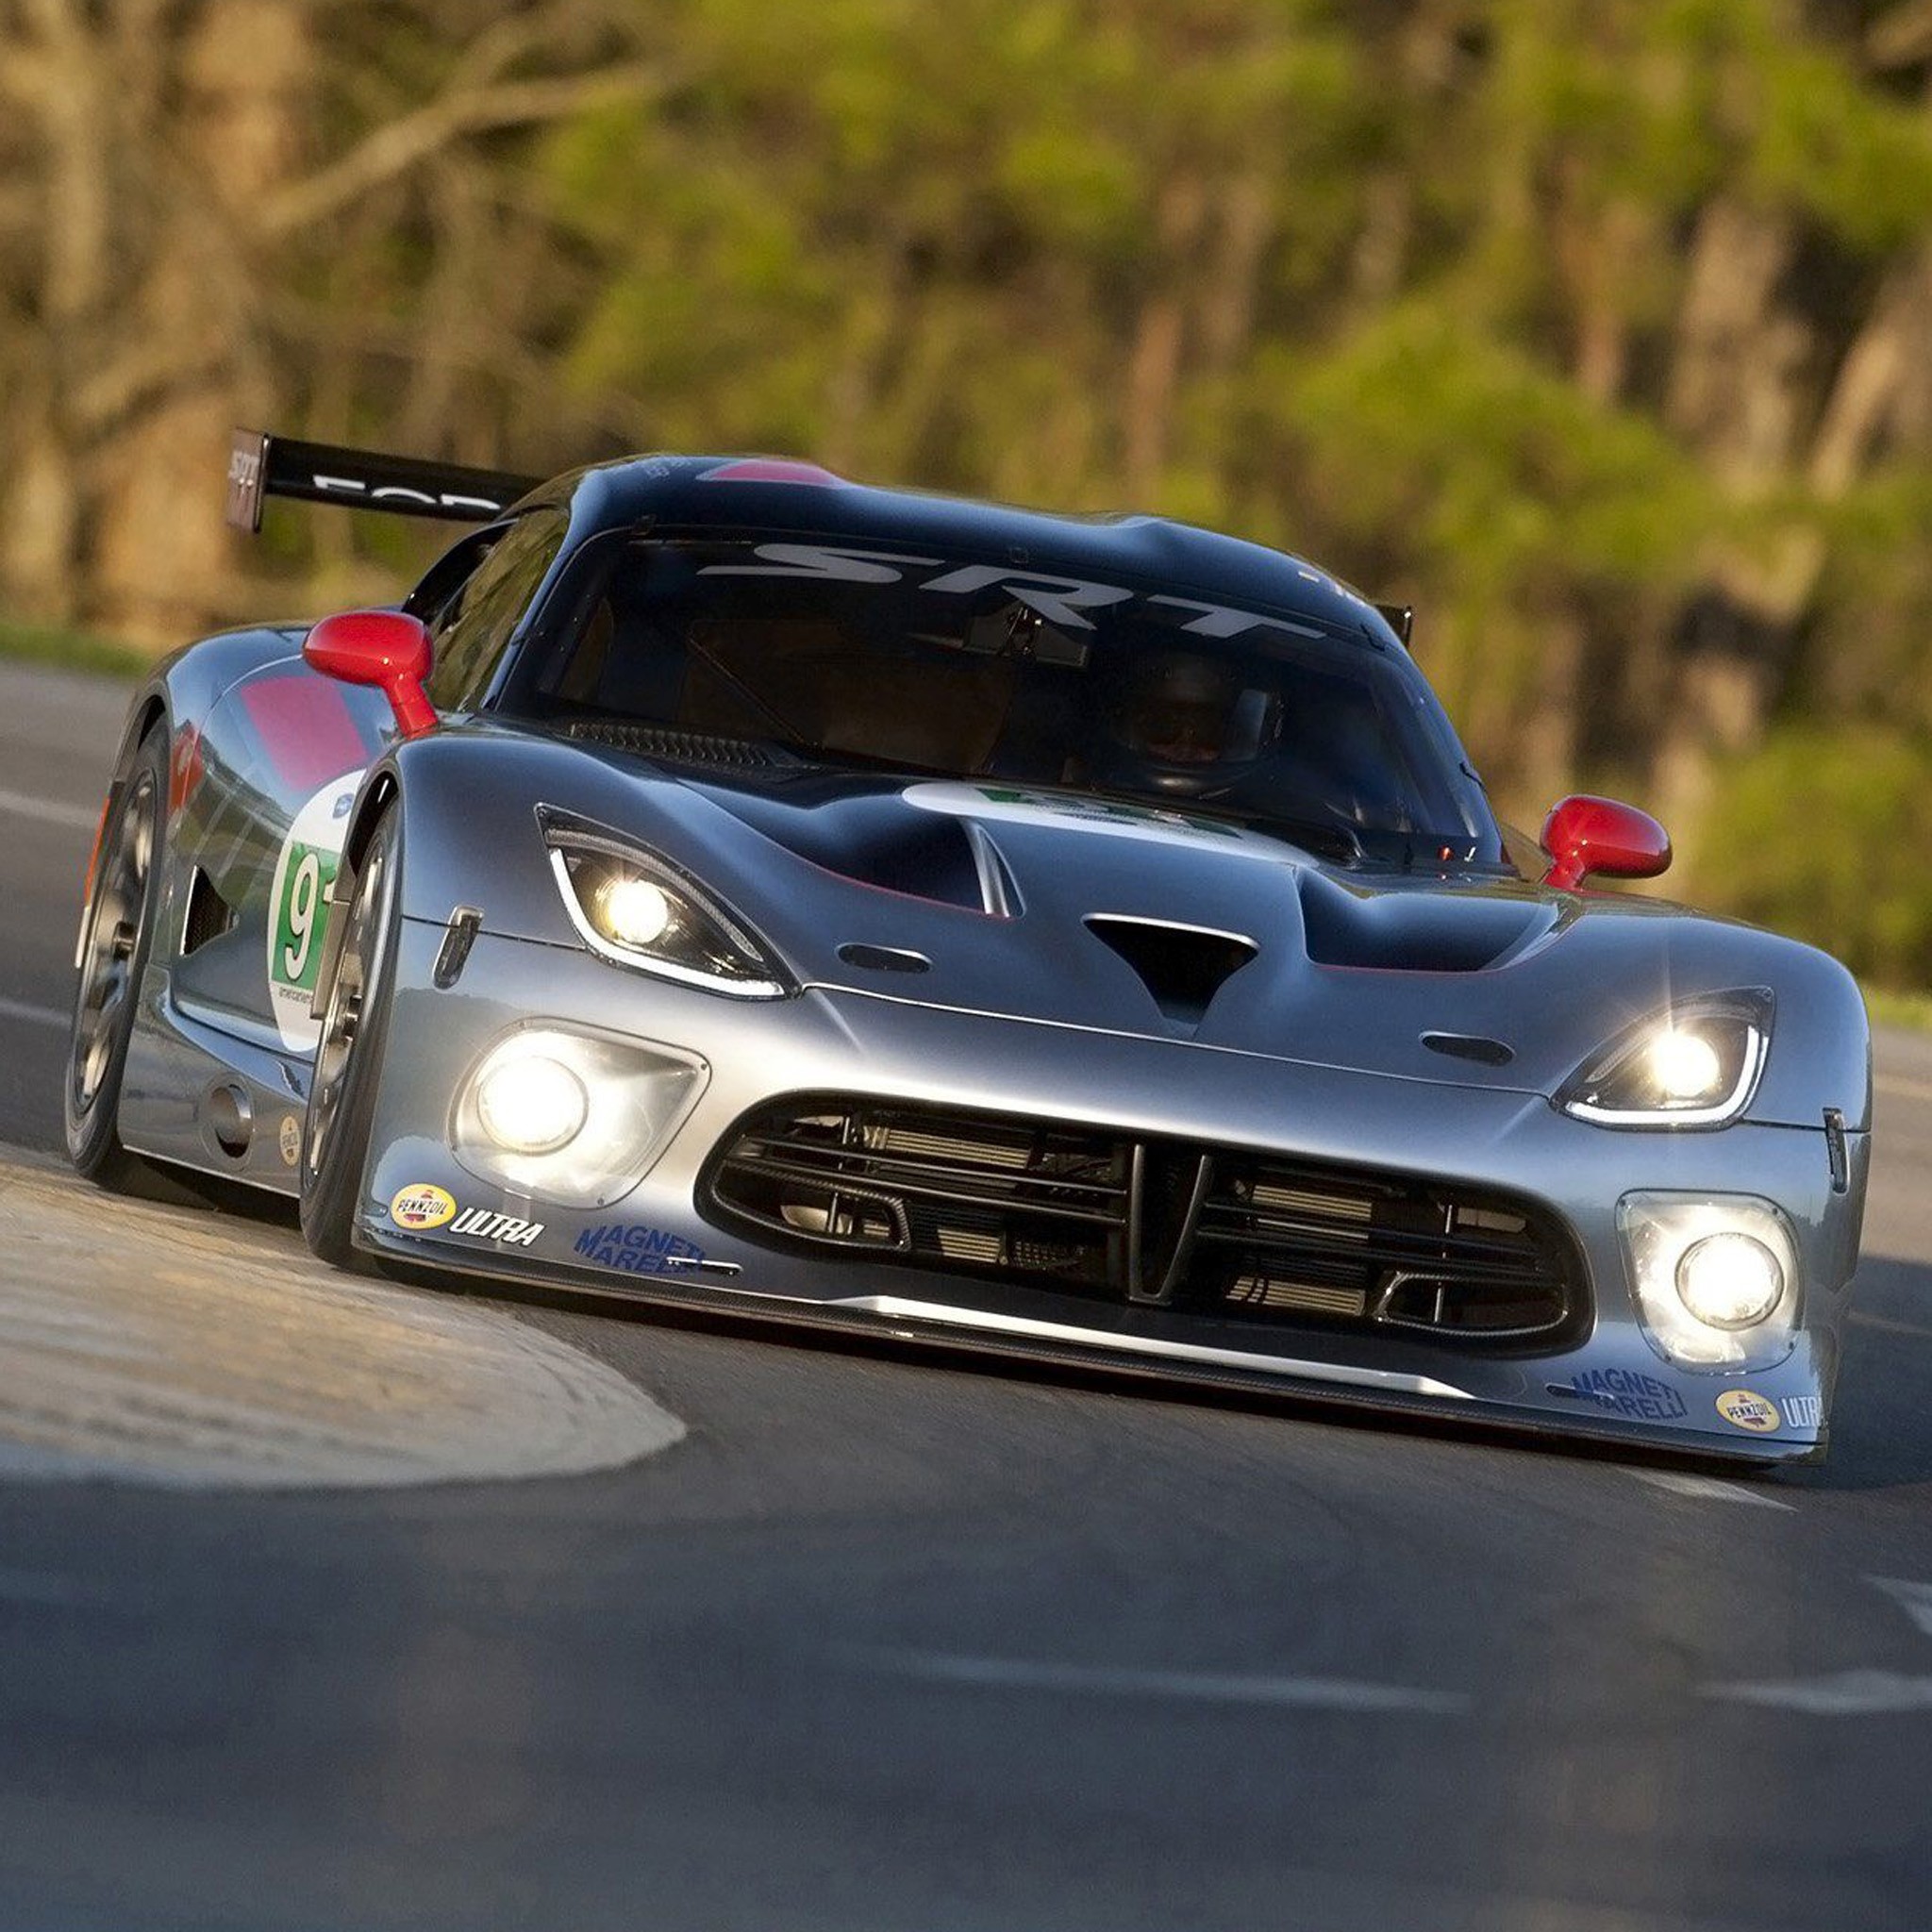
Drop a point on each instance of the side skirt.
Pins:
(204, 1099)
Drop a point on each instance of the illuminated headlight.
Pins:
(633, 912)
(573, 1118)
(528, 1103)
(1730, 1280)
(1695, 1066)
(1716, 1277)
(639, 909)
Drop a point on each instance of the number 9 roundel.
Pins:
(297, 910)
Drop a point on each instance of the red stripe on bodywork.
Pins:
(304, 723)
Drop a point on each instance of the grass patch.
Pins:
(73, 650)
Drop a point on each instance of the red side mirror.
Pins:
(1585, 835)
(381, 647)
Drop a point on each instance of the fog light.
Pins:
(529, 1103)
(571, 1119)
(1730, 1280)
(1715, 1277)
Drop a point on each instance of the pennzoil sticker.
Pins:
(421, 1206)
(1745, 1409)
(298, 908)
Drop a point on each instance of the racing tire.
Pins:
(116, 935)
(348, 1055)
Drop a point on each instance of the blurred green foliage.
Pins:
(1597, 329)
(1823, 833)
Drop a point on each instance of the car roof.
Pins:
(740, 497)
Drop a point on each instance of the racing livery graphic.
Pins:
(726, 885)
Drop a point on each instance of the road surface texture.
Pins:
(887, 1641)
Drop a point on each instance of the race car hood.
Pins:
(1052, 906)
(1056, 908)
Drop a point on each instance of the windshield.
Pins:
(970, 669)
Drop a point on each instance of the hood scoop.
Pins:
(1183, 967)
(1416, 932)
(864, 832)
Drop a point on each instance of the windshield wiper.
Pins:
(788, 732)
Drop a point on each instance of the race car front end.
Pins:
(1455, 1245)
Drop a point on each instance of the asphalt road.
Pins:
(886, 1644)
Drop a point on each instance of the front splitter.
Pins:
(969, 1331)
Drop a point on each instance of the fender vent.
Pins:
(1182, 966)
(209, 915)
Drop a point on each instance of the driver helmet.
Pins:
(1185, 724)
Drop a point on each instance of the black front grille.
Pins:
(1101, 1215)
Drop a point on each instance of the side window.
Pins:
(472, 627)
(447, 576)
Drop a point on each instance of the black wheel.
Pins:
(117, 935)
(348, 1056)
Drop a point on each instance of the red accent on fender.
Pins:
(1585, 835)
(93, 857)
(386, 649)
(184, 769)
(772, 470)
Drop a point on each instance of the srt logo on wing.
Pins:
(400, 493)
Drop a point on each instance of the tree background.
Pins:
(1602, 333)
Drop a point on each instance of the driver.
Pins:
(1184, 723)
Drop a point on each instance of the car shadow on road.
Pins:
(1853, 1464)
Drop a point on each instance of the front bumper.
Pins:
(1610, 1383)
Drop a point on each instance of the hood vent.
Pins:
(867, 833)
(683, 747)
(1182, 966)
(1470, 1046)
(1416, 932)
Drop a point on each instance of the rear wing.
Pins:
(261, 465)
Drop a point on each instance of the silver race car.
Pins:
(724, 885)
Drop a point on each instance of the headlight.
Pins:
(1694, 1066)
(1716, 1277)
(637, 909)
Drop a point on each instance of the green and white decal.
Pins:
(298, 908)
